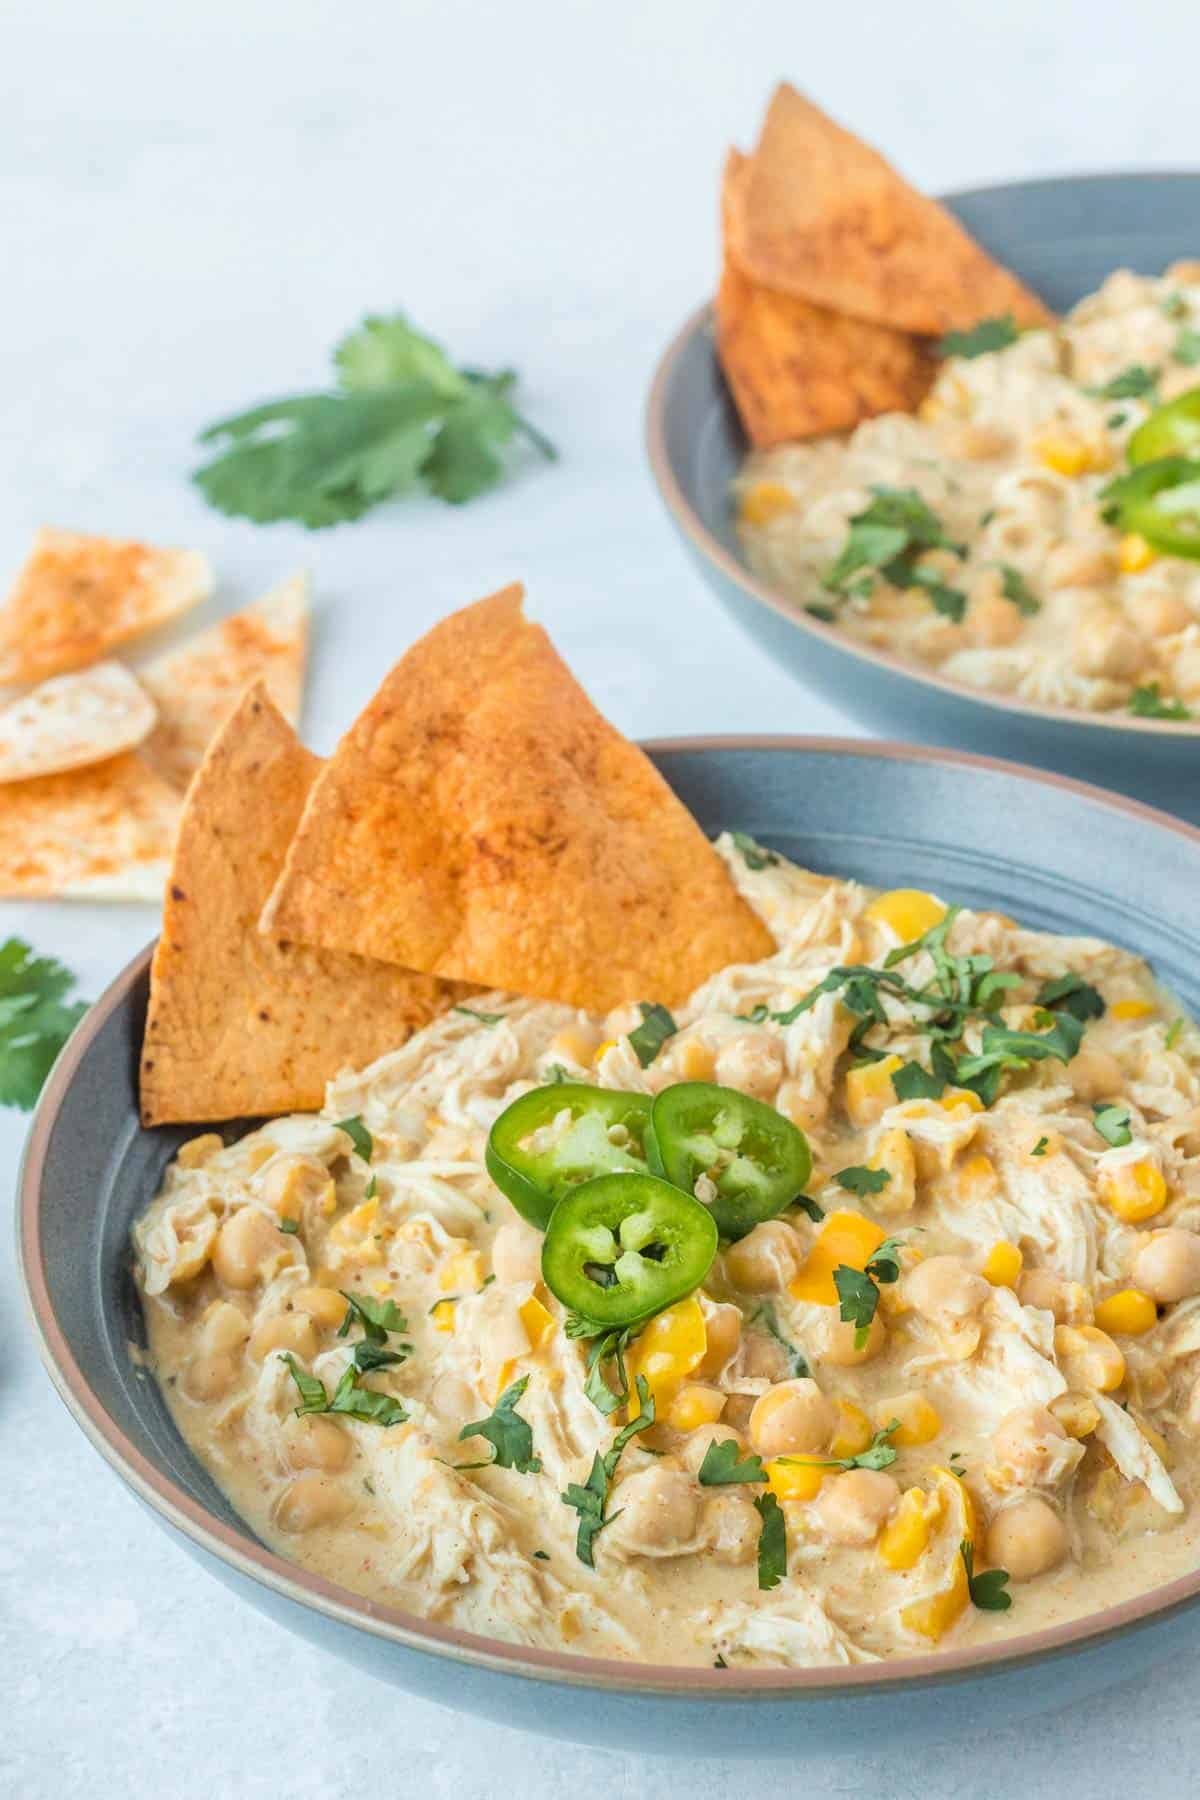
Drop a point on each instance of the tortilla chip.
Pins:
(796, 370)
(481, 820)
(239, 1024)
(823, 217)
(101, 833)
(79, 596)
(73, 720)
(197, 686)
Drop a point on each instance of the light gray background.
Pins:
(196, 198)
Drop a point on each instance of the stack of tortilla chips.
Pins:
(837, 279)
(480, 825)
(94, 759)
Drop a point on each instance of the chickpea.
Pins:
(752, 1063)
(246, 1243)
(837, 1345)
(1024, 1442)
(696, 1445)
(1089, 563)
(993, 621)
(732, 1525)
(516, 1253)
(724, 1327)
(793, 1419)
(1158, 612)
(210, 1377)
(316, 1443)
(292, 1331)
(308, 1501)
(1095, 1075)
(1103, 645)
(660, 1512)
(806, 1111)
(1167, 1266)
(852, 1507)
(765, 1260)
(1027, 1539)
(944, 1289)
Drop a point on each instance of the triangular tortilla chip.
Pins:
(73, 720)
(197, 686)
(102, 833)
(822, 216)
(481, 820)
(796, 370)
(239, 1024)
(79, 596)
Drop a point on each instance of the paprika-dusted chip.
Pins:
(481, 820)
(820, 215)
(100, 833)
(239, 1023)
(79, 596)
(73, 720)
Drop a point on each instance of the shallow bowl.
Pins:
(1056, 854)
(1063, 236)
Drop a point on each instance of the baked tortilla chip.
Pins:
(240, 1024)
(197, 686)
(73, 720)
(796, 370)
(822, 216)
(77, 597)
(101, 833)
(481, 820)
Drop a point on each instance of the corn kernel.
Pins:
(325, 1306)
(957, 1099)
(1134, 1191)
(538, 1322)
(357, 1229)
(1129, 1312)
(764, 502)
(1078, 1414)
(695, 1406)
(853, 1432)
(1089, 1358)
(894, 1152)
(443, 1316)
(932, 1618)
(905, 1537)
(461, 1273)
(869, 1091)
(908, 912)
(1132, 1009)
(1069, 454)
(669, 1349)
(790, 1480)
(696, 1061)
(603, 1049)
(1134, 553)
(845, 1237)
(1003, 1264)
(920, 1422)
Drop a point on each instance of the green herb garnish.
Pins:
(721, 1467)
(507, 1432)
(988, 335)
(1146, 702)
(1071, 993)
(1131, 384)
(350, 1397)
(772, 1542)
(862, 1181)
(1172, 1034)
(359, 1136)
(1015, 588)
(609, 1347)
(1112, 1122)
(1040, 1148)
(989, 1591)
(858, 1289)
(880, 1453)
(648, 1038)
(289, 1227)
(754, 855)
(886, 538)
(797, 1361)
(35, 1020)
(480, 1018)
(1186, 348)
(590, 1498)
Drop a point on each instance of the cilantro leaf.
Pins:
(1040, 1148)
(1112, 1122)
(1186, 348)
(1146, 702)
(35, 1020)
(1071, 993)
(884, 1263)
(1171, 1038)
(350, 1397)
(880, 1453)
(377, 1317)
(885, 538)
(797, 1362)
(1131, 384)
(862, 1181)
(772, 1542)
(1015, 588)
(590, 1498)
(368, 1356)
(648, 1038)
(359, 1136)
(913, 1082)
(754, 855)
(507, 1432)
(609, 1347)
(481, 1018)
(402, 417)
(1003, 1049)
(859, 1299)
(290, 1227)
(721, 1467)
(989, 1591)
(989, 334)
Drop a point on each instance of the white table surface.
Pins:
(196, 199)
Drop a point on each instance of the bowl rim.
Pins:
(693, 528)
(289, 1580)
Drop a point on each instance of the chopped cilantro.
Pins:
(826, 614)
(862, 1181)
(719, 1662)
(1071, 993)
(1131, 384)
(1186, 348)
(590, 1498)
(1115, 420)
(542, 1555)
(1004, 1050)
(880, 1453)
(989, 1591)
(721, 1467)
(350, 1397)
(797, 1362)
(1112, 1122)
(808, 1205)
(1147, 702)
(1015, 588)
(648, 1038)
(772, 1542)
(1040, 1148)
(481, 1018)
(359, 1136)
(377, 1317)
(754, 855)
(507, 1432)
(912, 1082)
(886, 538)
(609, 1347)
(858, 1289)
(289, 1227)
(988, 335)
(1172, 1034)
(756, 1015)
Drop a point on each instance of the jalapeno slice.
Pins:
(623, 1247)
(755, 1158)
(1172, 429)
(1161, 502)
(535, 1156)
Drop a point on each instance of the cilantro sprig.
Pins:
(755, 855)
(888, 538)
(350, 1397)
(858, 1289)
(36, 1020)
(400, 417)
(880, 1453)
(988, 1591)
(510, 1436)
(862, 1181)
(988, 335)
(1132, 383)
(648, 1038)
(590, 1498)
(772, 1542)
(1147, 702)
(1113, 1124)
(378, 1318)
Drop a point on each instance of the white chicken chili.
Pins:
(949, 1392)
(1009, 534)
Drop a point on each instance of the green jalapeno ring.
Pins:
(757, 1160)
(620, 1248)
(1160, 501)
(534, 1180)
(1172, 429)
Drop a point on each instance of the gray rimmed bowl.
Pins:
(1063, 236)
(1057, 854)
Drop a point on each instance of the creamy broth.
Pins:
(1038, 1415)
(1010, 451)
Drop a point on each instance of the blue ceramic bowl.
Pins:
(1063, 236)
(1056, 854)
